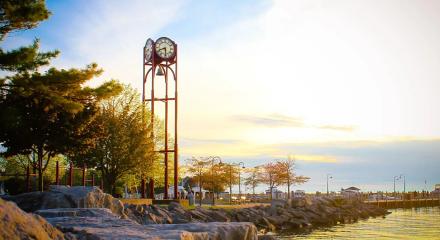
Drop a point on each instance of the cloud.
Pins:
(112, 33)
(278, 120)
(316, 158)
(271, 120)
(337, 128)
(187, 142)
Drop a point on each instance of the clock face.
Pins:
(148, 50)
(165, 48)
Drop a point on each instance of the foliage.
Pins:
(124, 144)
(23, 14)
(272, 175)
(212, 174)
(287, 166)
(48, 113)
(199, 168)
(253, 178)
(44, 113)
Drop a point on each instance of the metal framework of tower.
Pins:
(150, 75)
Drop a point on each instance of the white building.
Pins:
(276, 194)
(180, 189)
(350, 192)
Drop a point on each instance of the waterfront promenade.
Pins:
(392, 204)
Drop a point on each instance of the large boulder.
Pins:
(68, 197)
(299, 202)
(90, 197)
(215, 230)
(17, 224)
(33, 201)
(102, 224)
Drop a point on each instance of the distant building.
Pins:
(350, 192)
(180, 189)
(436, 190)
(298, 193)
(276, 194)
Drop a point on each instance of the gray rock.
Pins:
(68, 197)
(17, 224)
(278, 203)
(91, 197)
(299, 202)
(266, 237)
(106, 225)
(77, 212)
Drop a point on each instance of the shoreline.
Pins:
(88, 211)
(280, 216)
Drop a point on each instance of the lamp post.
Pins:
(230, 184)
(328, 176)
(395, 178)
(404, 182)
(239, 180)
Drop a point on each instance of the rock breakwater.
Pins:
(280, 216)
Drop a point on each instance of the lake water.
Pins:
(420, 223)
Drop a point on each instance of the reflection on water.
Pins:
(420, 223)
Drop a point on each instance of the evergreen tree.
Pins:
(44, 113)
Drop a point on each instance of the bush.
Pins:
(15, 185)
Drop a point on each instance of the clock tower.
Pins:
(160, 67)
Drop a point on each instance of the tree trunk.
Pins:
(271, 192)
(230, 194)
(40, 169)
(288, 189)
(200, 191)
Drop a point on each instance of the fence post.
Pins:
(143, 188)
(102, 184)
(71, 174)
(151, 188)
(84, 175)
(28, 179)
(57, 174)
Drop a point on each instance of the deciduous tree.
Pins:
(253, 178)
(272, 175)
(290, 178)
(124, 145)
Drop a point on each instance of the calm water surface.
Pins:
(420, 223)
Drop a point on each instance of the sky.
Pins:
(350, 88)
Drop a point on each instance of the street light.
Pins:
(239, 181)
(404, 182)
(395, 178)
(328, 176)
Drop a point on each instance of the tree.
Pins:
(287, 166)
(232, 174)
(253, 179)
(199, 168)
(48, 113)
(124, 145)
(19, 15)
(212, 174)
(272, 175)
(16, 167)
(44, 113)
